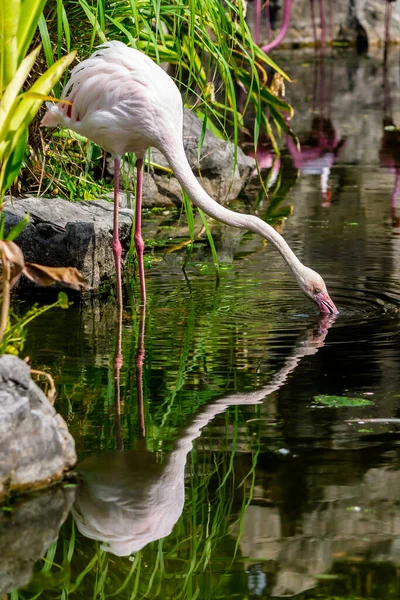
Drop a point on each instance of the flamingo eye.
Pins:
(317, 291)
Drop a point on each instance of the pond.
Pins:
(252, 449)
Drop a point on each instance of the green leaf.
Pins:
(210, 241)
(63, 300)
(28, 107)
(17, 229)
(44, 32)
(9, 97)
(9, 18)
(30, 13)
(14, 164)
(342, 401)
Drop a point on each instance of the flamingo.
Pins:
(124, 102)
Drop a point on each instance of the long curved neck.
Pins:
(176, 157)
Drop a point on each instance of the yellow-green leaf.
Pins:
(28, 107)
(9, 18)
(11, 92)
(30, 13)
(43, 97)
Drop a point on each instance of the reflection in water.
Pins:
(128, 499)
(27, 531)
(389, 152)
(321, 147)
(280, 495)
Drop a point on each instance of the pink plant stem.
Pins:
(139, 243)
(116, 244)
(257, 19)
(287, 7)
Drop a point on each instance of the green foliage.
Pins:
(18, 22)
(15, 336)
(210, 51)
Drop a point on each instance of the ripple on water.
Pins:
(362, 304)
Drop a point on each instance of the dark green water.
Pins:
(241, 474)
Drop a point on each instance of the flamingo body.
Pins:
(121, 100)
(116, 104)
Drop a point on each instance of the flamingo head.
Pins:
(313, 286)
(54, 116)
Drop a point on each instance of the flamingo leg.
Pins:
(139, 243)
(116, 244)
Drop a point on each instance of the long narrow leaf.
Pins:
(27, 109)
(12, 166)
(210, 241)
(13, 89)
(30, 13)
(9, 17)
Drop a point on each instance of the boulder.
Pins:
(26, 533)
(36, 448)
(70, 234)
(355, 21)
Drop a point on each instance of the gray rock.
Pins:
(215, 169)
(63, 234)
(351, 19)
(26, 533)
(35, 445)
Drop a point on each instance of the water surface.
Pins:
(257, 454)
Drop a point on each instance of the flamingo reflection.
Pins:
(389, 153)
(128, 499)
(321, 147)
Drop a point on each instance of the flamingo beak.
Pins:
(325, 304)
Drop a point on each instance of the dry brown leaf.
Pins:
(45, 276)
(13, 253)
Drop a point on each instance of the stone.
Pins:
(70, 234)
(356, 21)
(36, 448)
(26, 533)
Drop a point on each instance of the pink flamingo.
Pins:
(121, 100)
(320, 149)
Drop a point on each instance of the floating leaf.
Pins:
(342, 401)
